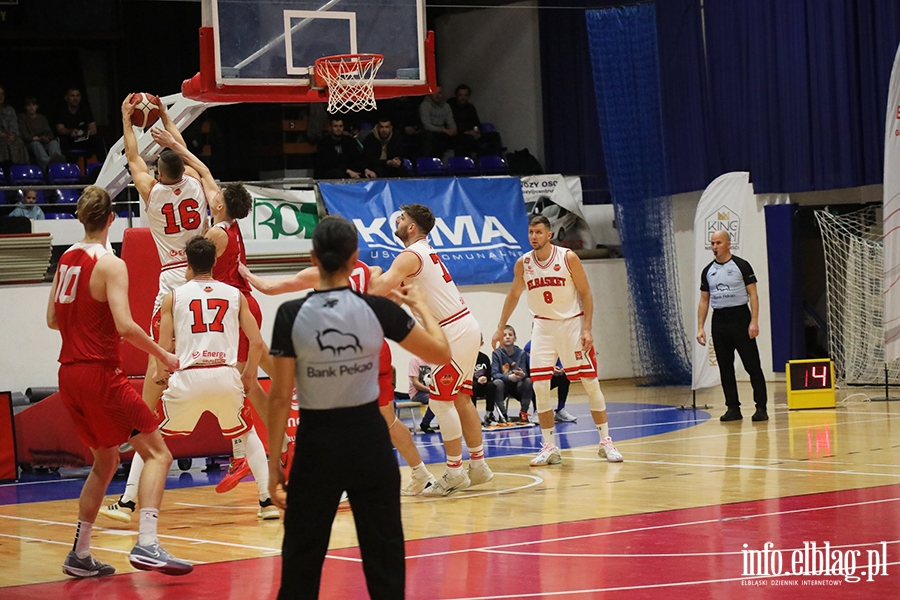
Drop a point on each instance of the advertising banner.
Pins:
(480, 229)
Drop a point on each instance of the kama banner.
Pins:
(280, 214)
(480, 230)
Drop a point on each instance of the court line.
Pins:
(750, 467)
(751, 458)
(663, 526)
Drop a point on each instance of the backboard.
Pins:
(264, 50)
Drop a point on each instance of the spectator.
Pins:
(76, 127)
(558, 380)
(467, 121)
(30, 208)
(12, 149)
(338, 155)
(419, 382)
(383, 152)
(438, 126)
(37, 135)
(509, 367)
(404, 114)
(482, 388)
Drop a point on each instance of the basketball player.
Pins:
(360, 280)
(175, 208)
(328, 345)
(202, 319)
(560, 299)
(451, 383)
(89, 306)
(227, 205)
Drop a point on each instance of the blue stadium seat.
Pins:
(461, 165)
(92, 170)
(64, 173)
(427, 166)
(26, 175)
(2, 176)
(68, 196)
(487, 128)
(58, 215)
(492, 165)
(409, 166)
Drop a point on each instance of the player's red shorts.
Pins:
(385, 376)
(244, 343)
(105, 408)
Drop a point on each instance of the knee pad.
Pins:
(448, 418)
(542, 395)
(595, 396)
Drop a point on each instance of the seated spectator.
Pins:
(419, 382)
(471, 140)
(438, 126)
(404, 114)
(76, 128)
(37, 135)
(12, 148)
(559, 380)
(509, 368)
(30, 208)
(338, 155)
(383, 152)
(481, 385)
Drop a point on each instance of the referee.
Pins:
(330, 342)
(728, 284)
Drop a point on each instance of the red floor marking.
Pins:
(679, 554)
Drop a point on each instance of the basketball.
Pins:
(146, 109)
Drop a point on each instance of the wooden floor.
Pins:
(712, 467)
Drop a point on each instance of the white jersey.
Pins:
(551, 291)
(176, 213)
(441, 294)
(207, 323)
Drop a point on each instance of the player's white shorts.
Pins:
(552, 339)
(192, 392)
(168, 281)
(464, 337)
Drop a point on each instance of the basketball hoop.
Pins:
(348, 78)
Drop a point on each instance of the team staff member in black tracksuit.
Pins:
(330, 342)
(728, 284)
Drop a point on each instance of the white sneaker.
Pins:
(549, 455)
(609, 452)
(416, 486)
(118, 511)
(267, 511)
(480, 473)
(448, 484)
(564, 416)
(344, 497)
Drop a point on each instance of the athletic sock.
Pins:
(134, 478)
(82, 545)
(476, 455)
(420, 471)
(603, 428)
(454, 465)
(548, 436)
(239, 447)
(147, 532)
(259, 465)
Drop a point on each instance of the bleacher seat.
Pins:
(409, 166)
(26, 175)
(92, 170)
(63, 173)
(2, 176)
(493, 165)
(67, 196)
(427, 166)
(58, 215)
(461, 165)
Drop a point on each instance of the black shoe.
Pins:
(760, 415)
(489, 420)
(731, 415)
(502, 418)
(426, 428)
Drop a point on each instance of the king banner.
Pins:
(480, 230)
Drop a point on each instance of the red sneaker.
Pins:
(237, 470)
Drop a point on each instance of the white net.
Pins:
(854, 256)
(349, 80)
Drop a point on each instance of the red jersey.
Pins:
(360, 277)
(87, 327)
(226, 267)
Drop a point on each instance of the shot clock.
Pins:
(810, 383)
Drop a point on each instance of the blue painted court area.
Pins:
(627, 421)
